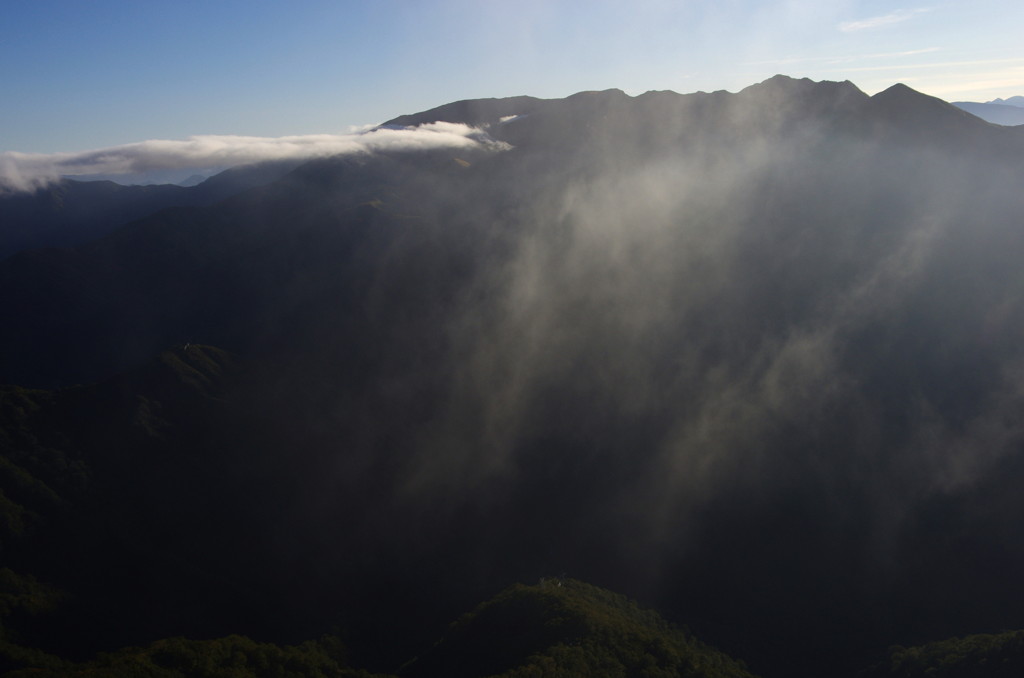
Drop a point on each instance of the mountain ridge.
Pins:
(748, 358)
(70, 212)
(999, 114)
(1010, 101)
(73, 212)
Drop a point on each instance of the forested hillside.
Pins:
(749, 359)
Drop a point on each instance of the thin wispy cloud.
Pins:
(896, 17)
(28, 171)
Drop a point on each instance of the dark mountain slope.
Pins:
(68, 212)
(71, 212)
(186, 274)
(936, 120)
(750, 358)
(112, 485)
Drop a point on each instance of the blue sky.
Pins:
(84, 75)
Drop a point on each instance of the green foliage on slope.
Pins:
(976, 656)
(563, 627)
(560, 627)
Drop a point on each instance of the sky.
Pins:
(77, 77)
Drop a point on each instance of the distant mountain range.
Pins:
(1011, 101)
(751, 359)
(999, 111)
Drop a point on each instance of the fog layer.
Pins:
(29, 171)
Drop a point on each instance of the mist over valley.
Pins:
(750, 359)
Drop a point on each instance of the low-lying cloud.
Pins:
(29, 171)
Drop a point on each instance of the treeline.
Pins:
(977, 656)
(560, 627)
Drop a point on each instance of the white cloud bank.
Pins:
(28, 171)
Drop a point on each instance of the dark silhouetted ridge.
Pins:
(900, 102)
(915, 118)
(474, 112)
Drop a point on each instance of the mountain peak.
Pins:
(898, 90)
(783, 79)
(778, 82)
(905, 103)
(1011, 101)
(613, 93)
(792, 99)
(902, 95)
(790, 87)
